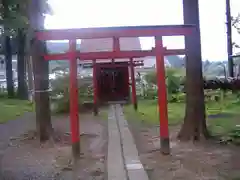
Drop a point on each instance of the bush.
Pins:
(61, 105)
(150, 93)
(173, 80)
(151, 78)
(60, 95)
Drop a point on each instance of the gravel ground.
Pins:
(23, 158)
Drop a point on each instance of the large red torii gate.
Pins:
(117, 32)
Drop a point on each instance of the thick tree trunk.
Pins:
(22, 86)
(40, 71)
(41, 86)
(194, 127)
(8, 52)
(9, 72)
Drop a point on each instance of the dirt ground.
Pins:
(188, 161)
(23, 158)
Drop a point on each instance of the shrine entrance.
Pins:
(113, 74)
(113, 82)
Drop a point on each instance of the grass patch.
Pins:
(222, 126)
(10, 109)
(148, 113)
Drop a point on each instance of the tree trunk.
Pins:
(29, 77)
(9, 72)
(40, 71)
(22, 87)
(41, 86)
(194, 127)
(229, 39)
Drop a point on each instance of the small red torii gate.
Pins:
(117, 32)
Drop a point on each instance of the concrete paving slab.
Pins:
(133, 165)
(115, 163)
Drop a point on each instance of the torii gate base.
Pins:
(116, 32)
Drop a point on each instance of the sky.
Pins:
(102, 13)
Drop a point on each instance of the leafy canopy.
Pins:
(236, 25)
(14, 14)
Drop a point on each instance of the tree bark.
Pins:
(41, 86)
(194, 127)
(9, 72)
(8, 51)
(229, 39)
(40, 71)
(29, 77)
(22, 86)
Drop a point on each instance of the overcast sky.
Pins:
(90, 13)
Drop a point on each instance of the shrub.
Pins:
(60, 94)
(173, 80)
(151, 93)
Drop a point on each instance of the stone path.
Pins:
(123, 160)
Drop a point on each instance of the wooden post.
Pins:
(74, 117)
(134, 95)
(95, 89)
(162, 96)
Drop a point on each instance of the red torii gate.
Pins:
(117, 32)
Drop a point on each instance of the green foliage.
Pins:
(14, 14)
(60, 93)
(151, 78)
(151, 93)
(236, 23)
(173, 82)
(61, 105)
(60, 86)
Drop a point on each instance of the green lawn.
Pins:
(10, 109)
(148, 112)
